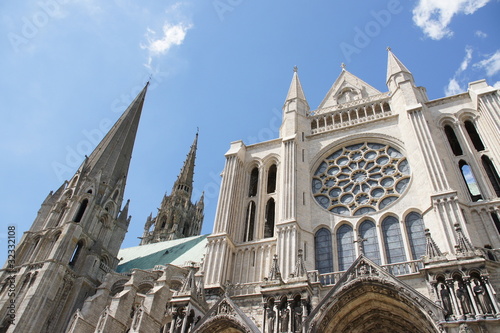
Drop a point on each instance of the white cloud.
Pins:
(496, 85)
(481, 34)
(491, 65)
(172, 34)
(454, 87)
(434, 16)
(467, 59)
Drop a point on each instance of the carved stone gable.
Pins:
(347, 89)
(378, 298)
(224, 315)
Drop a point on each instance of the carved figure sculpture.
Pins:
(463, 298)
(285, 318)
(271, 317)
(445, 298)
(482, 297)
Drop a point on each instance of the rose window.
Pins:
(361, 179)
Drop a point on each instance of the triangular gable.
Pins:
(225, 314)
(347, 88)
(365, 271)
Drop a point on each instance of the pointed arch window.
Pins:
(323, 251)
(368, 233)
(474, 135)
(254, 180)
(81, 210)
(63, 208)
(345, 247)
(393, 242)
(249, 222)
(271, 179)
(163, 222)
(76, 254)
(496, 221)
(453, 140)
(492, 174)
(470, 181)
(34, 250)
(415, 230)
(270, 214)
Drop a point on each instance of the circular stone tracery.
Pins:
(361, 179)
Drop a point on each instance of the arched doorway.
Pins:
(221, 324)
(375, 306)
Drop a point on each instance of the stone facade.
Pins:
(376, 212)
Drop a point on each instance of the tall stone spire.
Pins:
(177, 216)
(77, 233)
(184, 180)
(112, 156)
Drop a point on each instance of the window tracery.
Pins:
(361, 179)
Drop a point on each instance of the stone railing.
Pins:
(397, 269)
(350, 104)
(244, 289)
(343, 115)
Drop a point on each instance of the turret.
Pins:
(295, 105)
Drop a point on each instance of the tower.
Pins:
(75, 238)
(177, 216)
(386, 203)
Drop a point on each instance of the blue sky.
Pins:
(70, 67)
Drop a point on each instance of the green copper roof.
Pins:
(176, 252)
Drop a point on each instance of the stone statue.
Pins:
(271, 317)
(482, 297)
(179, 321)
(464, 328)
(463, 298)
(285, 318)
(297, 317)
(445, 299)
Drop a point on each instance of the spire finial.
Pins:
(342, 65)
(388, 48)
(295, 69)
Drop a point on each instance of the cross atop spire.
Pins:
(295, 91)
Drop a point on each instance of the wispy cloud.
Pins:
(454, 87)
(434, 16)
(491, 64)
(481, 34)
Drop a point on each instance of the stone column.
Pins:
(304, 315)
(264, 318)
(449, 283)
(471, 297)
(491, 294)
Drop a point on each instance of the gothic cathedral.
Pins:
(376, 212)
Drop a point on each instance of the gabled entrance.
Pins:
(368, 299)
